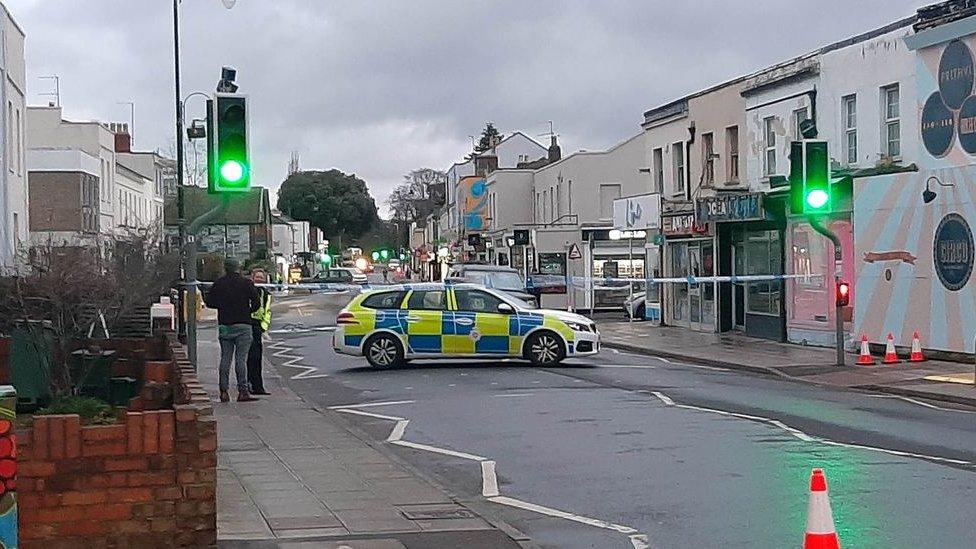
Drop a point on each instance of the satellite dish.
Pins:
(228, 3)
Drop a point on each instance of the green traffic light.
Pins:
(817, 198)
(232, 171)
(376, 256)
(326, 259)
(384, 253)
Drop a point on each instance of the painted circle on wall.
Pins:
(938, 125)
(956, 74)
(952, 252)
(967, 125)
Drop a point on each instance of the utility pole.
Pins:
(818, 226)
(180, 195)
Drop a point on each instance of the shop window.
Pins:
(763, 258)
(552, 263)
(809, 291)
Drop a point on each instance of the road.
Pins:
(626, 451)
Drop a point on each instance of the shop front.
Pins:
(611, 255)
(689, 251)
(750, 231)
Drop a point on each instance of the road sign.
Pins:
(574, 252)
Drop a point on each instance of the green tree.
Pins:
(488, 135)
(337, 203)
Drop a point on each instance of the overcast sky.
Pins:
(378, 88)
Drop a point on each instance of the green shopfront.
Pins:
(750, 240)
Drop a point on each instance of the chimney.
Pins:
(123, 141)
(555, 153)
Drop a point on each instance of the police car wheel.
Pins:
(384, 351)
(545, 349)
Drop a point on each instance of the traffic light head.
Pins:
(232, 167)
(326, 259)
(816, 178)
(384, 254)
(376, 256)
(843, 294)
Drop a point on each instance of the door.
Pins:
(478, 327)
(695, 290)
(707, 314)
(425, 319)
(679, 269)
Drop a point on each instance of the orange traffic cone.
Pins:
(865, 359)
(916, 355)
(821, 533)
(890, 356)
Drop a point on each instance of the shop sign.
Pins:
(952, 252)
(939, 113)
(682, 225)
(640, 212)
(733, 207)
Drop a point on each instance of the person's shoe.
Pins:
(262, 392)
(245, 396)
(224, 396)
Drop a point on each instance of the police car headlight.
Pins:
(579, 327)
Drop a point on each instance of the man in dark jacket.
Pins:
(235, 299)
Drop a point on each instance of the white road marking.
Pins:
(452, 384)
(436, 450)
(512, 395)
(372, 404)
(298, 330)
(301, 312)
(408, 388)
(489, 482)
(282, 351)
(614, 351)
(630, 366)
(512, 502)
(925, 404)
(699, 366)
(804, 436)
(368, 414)
(398, 429)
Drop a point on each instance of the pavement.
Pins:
(627, 450)
(294, 476)
(931, 379)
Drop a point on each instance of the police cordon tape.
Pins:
(697, 280)
(323, 287)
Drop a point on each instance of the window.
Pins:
(708, 158)
(20, 145)
(545, 206)
(384, 300)
(477, 301)
(427, 300)
(658, 170)
(552, 204)
(769, 140)
(763, 258)
(678, 165)
(16, 230)
(732, 152)
(799, 115)
(608, 193)
(891, 130)
(849, 113)
(558, 200)
(10, 135)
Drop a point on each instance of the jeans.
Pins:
(254, 358)
(235, 341)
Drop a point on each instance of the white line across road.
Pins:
(796, 433)
(489, 480)
(925, 404)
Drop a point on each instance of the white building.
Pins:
(509, 152)
(50, 137)
(566, 203)
(13, 165)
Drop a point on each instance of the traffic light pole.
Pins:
(818, 226)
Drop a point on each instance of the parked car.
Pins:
(338, 275)
(635, 306)
(394, 324)
(504, 279)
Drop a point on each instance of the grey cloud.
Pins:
(378, 88)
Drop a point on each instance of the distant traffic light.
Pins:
(326, 259)
(403, 256)
(231, 171)
(843, 294)
(384, 254)
(375, 256)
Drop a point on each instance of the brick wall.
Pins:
(149, 481)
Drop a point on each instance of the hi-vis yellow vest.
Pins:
(263, 314)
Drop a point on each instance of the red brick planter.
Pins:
(148, 482)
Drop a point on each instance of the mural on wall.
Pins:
(473, 197)
(913, 231)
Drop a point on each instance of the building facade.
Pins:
(14, 212)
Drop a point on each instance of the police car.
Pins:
(393, 324)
